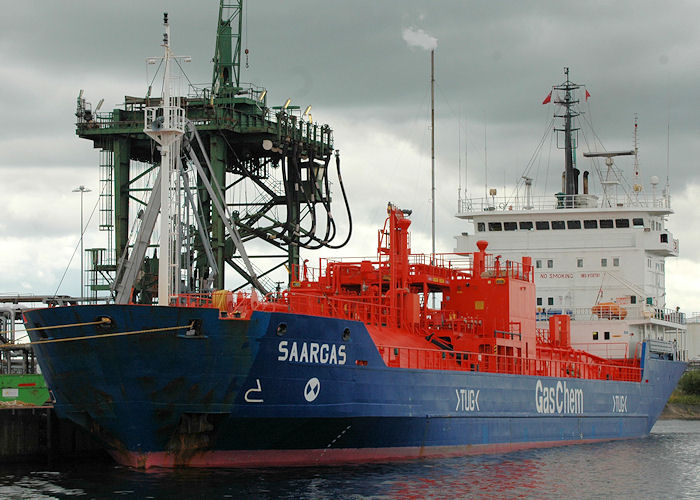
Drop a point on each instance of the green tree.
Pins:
(690, 382)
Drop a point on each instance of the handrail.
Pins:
(422, 358)
(617, 349)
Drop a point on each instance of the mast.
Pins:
(570, 186)
(166, 125)
(432, 142)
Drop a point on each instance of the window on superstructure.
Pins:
(573, 224)
(510, 226)
(590, 224)
(526, 225)
(495, 226)
(558, 224)
(481, 227)
(579, 262)
(616, 261)
(622, 223)
(550, 301)
(538, 264)
(633, 299)
(638, 222)
(649, 263)
(539, 301)
(595, 335)
(542, 224)
(662, 267)
(606, 223)
(664, 238)
(606, 335)
(603, 262)
(550, 263)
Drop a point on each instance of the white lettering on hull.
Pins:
(619, 403)
(311, 352)
(467, 400)
(558, 399)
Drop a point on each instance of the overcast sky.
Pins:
(495, 63)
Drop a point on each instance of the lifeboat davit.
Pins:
(609, 310)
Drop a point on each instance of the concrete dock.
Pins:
(35, 434)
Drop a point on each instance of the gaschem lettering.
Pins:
(558, 398)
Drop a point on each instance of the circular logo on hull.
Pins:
(311, 390)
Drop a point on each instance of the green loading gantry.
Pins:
(247, 142)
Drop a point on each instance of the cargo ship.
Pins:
(348, 367)
(400, 356)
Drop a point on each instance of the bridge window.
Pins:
(638, 222)
(527, 225)
(481, 227)
(510, 226)
(495, 226)
(558, 224)
(573, 224)
(606, 223)
(590, 224)
(542, 224)
(622, 223)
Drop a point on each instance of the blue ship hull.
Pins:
(289, 389)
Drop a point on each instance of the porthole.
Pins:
(346, 334)
(281, 329)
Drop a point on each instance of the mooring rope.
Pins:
(102, 335)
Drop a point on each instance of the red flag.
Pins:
(588, 94)
(548, 99)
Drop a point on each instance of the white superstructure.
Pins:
(599, 258)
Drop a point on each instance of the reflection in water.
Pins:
(664, 465)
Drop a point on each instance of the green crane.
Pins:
(272, 163)
(227, 52)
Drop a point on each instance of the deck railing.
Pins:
(377, 312)
(637, 312)
(417, 358)
(610, 350)
(559, 201)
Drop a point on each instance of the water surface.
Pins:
(664, 465)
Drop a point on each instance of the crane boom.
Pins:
(227, 52)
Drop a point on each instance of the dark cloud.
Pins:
(495, 62)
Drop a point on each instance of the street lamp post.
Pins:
(82, 190)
